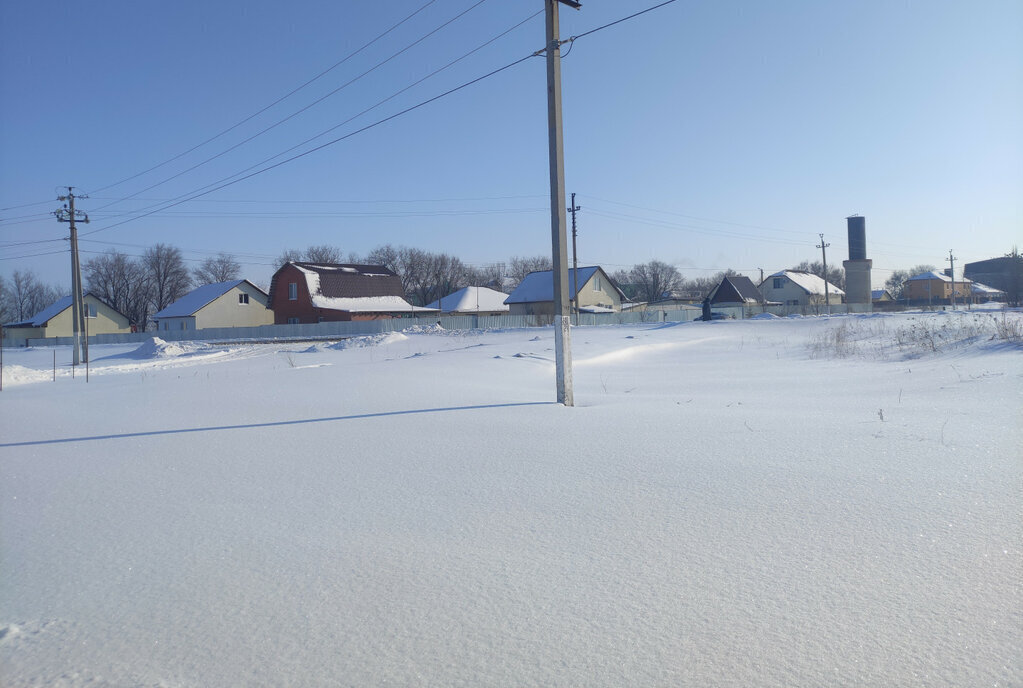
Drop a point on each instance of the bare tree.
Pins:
(221, 268)
(121, 282)
(490, 276)
(322, 253)
(27, 295)
(167, 274)
(6, 312)
(896, 283)
(655, 280)
(289, 255)
(410, 264)
(519, 267)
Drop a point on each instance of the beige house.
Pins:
(56, 321)
(594, 293)
(935, 288)
(235, 303)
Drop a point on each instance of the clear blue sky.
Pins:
(709, 135)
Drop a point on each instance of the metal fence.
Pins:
(355, 328)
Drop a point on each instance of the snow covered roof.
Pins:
(366, 304)
(472, 300)
(935, 275)
(810, 283)
(195, 300)
(42, 317)
(539, 286)
(979, 288)
(52, 311)
(354, 288)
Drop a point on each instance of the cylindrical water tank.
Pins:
(857, 237)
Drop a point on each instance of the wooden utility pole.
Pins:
(824, 258)
(575, 261)
(952, 274)
(559, 254)
(70, 215)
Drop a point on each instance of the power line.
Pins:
(324, 145)
(350, 119)
(279, 100)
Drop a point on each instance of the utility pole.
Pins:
(562, 320)
(70, 215)
(824, 258)
(575, 260)
(952, 274)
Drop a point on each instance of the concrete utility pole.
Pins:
(70, 215)
(952, 274)
(824, 258)
(575, 260)
(562, 320)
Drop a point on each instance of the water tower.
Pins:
(857, 268)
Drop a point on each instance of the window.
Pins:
(292, 321)
(90, 310)
(779, 282)
(243, 298)
(166, 325)
(596, 283)
(293, 291)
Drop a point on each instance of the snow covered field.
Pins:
(777, 502)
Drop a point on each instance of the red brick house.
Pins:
(321, 292)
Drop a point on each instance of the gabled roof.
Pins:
(876, 294)
(539, 286)
(198, 298)
(810, 283)
(935, 275)
(53, 310)
(472, 300)
(351, 287)
(736, 288)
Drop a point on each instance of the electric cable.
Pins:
(276, 102)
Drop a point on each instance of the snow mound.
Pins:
(424, 329)
(764, 316)
(369, 340)
(16, 374)
(158, 348)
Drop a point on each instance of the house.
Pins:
(982, 293)
(235, 303)
(881, 296)
(736, 290)
(594, 292)
(56, 321)
(935, 288)
(795, 288)
(322, 292)
(473, 301)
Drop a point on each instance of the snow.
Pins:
(539, 286)
(197, 298)
(727, 504)
(811, 284)
(472, 300)
(363, 304)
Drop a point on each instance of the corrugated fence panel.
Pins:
(355, 328)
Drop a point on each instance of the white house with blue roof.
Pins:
(593, 292)
(56, 321)
(235, 303)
